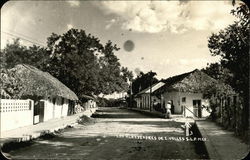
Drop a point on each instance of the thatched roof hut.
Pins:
(83, 96)
(34, 82)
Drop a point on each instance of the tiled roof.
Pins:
(194, 81)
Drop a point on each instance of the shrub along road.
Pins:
(114, 134)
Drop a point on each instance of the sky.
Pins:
(169, 37)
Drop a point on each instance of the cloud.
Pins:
(173, 16)
(74, 3)
(110, 23)
(13, 20)
(193, 62)
(69, 26)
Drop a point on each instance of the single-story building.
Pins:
(186, 93)
(88, 101)
(49, 97)
(143, 97)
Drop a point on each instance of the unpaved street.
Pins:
(115, 134)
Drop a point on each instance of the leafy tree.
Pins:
(16, 53)
(126, 74)
(216, 71)
(114, 76)
(245, 1)
(232, 45)
(77, 59)
(82, 63)
(143, 81)
(10, 86)
(73, 60)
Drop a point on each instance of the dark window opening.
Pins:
(183, 100)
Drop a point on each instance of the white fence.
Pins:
(15, 113)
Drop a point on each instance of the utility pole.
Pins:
(131, 92)
(150, 99)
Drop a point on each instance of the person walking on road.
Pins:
(168, 109)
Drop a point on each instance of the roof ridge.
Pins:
(47, 79)
(181, 76)
(144, 90)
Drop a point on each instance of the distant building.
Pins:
(115, 95)
(88, 101)
(184, 91)
(143, 98)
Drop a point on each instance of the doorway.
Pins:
(41, 111)
(197, 108)
(172, 107)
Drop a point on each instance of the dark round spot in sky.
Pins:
(128, 45)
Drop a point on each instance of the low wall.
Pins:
(15, 113)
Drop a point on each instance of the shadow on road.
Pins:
(117, 113)
(114, 135)
(161, 124)
(106, 147)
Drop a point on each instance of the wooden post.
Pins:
(184, 111)
(150, 99)
(221, 110)
(130, 98)
(187, 126)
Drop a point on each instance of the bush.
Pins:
(103, 102)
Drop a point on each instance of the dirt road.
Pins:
(115, 134)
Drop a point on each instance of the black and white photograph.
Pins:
(125, 79)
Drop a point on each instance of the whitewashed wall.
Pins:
(138, 102)
(177, 100)
(167, 96)
(65, 108)
(48, 109)
(16, 113)
(189, 100)
(145, 101)
(56, 110)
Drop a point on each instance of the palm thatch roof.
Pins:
(83, 96)
(34, 82)
(194, 81)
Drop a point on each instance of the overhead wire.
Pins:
(25, 38)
